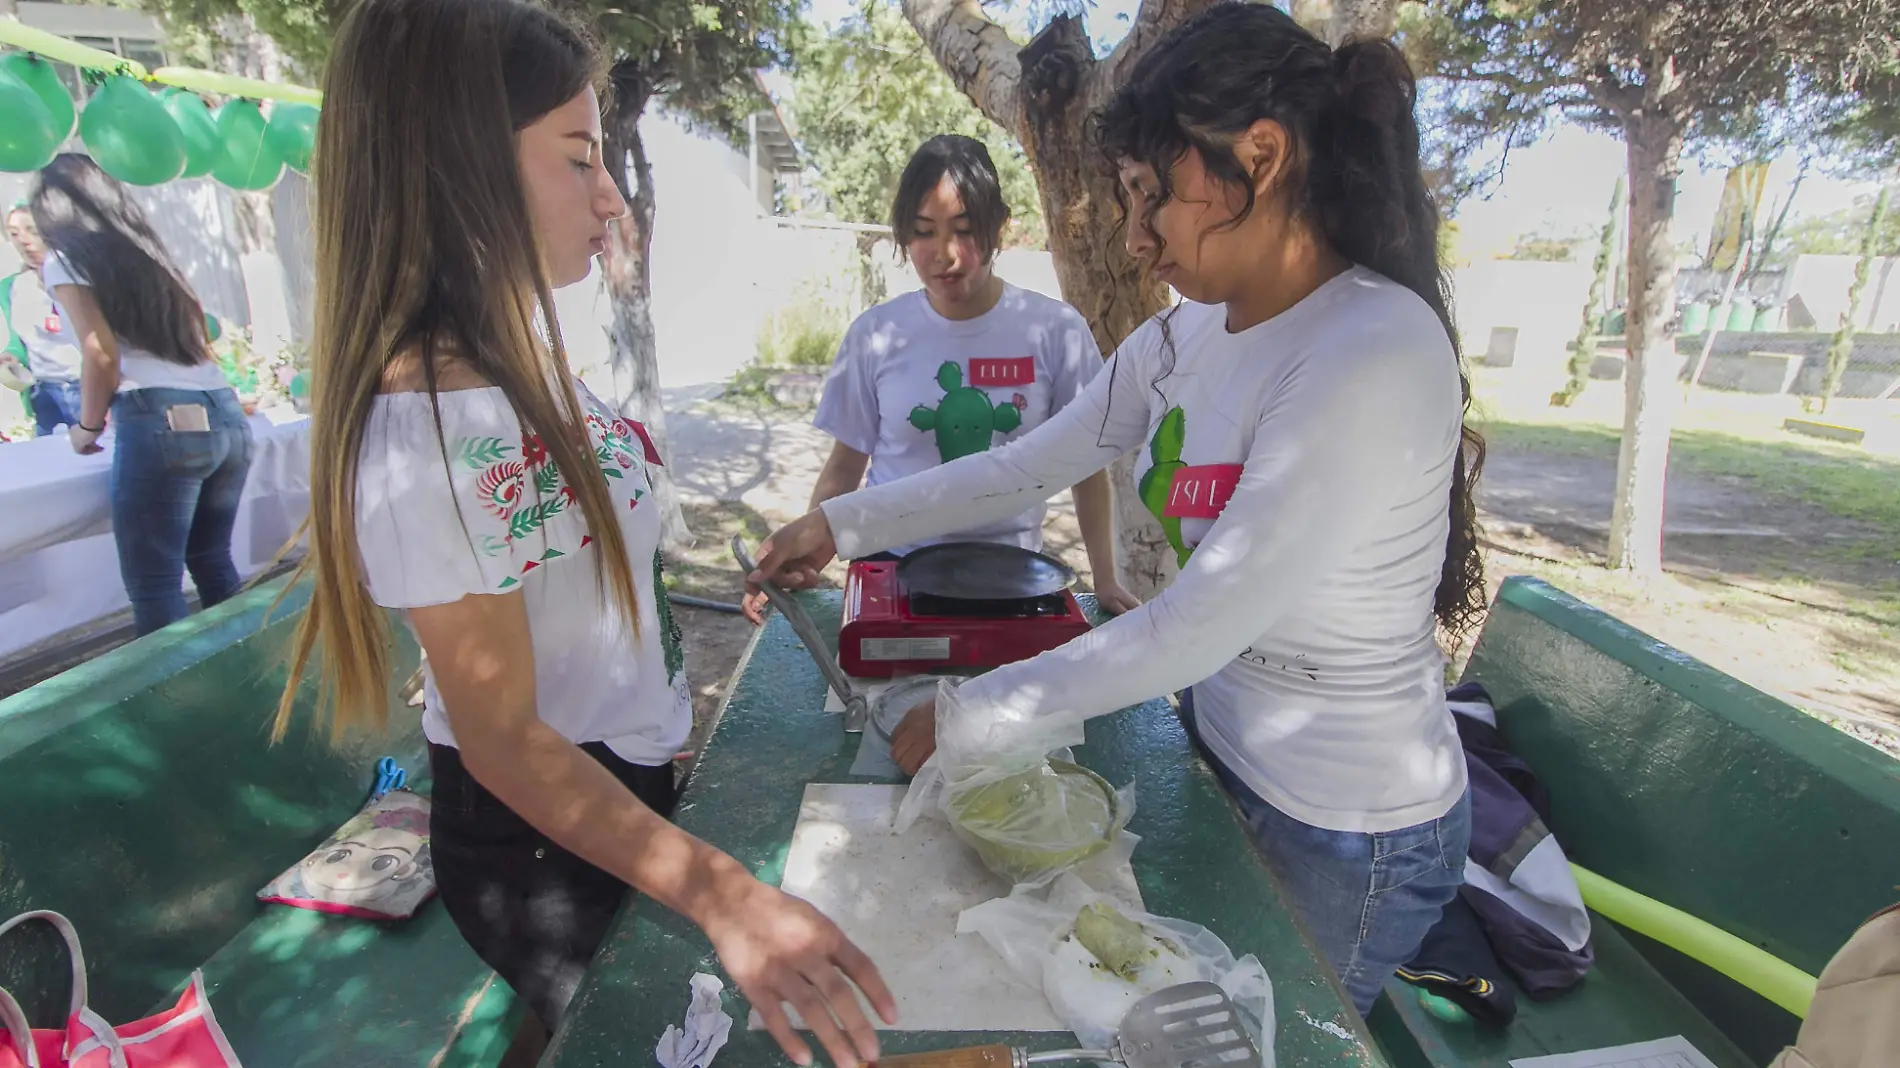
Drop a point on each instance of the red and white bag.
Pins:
(185, 1036)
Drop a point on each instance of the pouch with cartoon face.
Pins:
(376, 866)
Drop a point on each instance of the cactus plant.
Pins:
(964, 420)
(1165, 450)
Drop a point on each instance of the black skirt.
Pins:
(531, 910)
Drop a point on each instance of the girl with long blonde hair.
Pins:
(463, 476)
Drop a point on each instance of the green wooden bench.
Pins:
(1684, 784)
(143, 799)
(1195, 861)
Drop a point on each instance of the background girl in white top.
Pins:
(181, 447)
(966, 363)
(460, 474)
(1300, 432)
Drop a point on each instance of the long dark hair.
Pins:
(87, 216)
(967, 163)
(1355, 177)
(424, 246)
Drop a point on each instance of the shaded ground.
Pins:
(1784, 556)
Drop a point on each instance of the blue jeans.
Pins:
(1367, 899)
(54, 403)
(175, 499)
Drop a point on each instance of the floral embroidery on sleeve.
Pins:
(521, 486)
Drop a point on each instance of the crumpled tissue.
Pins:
(707, 1026)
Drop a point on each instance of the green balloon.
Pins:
(130, 134)
(247, 162)
(29, 137)
(292, 133)
(39, 76)
(203, 146)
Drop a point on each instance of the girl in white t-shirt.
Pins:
(1300, 440)
(461, 475)
(967, 363)
(181, 443)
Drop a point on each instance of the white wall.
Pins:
(195, 221)
(1822, 283)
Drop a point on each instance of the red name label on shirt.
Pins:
(1201, 492)
(51, 324)
(1002, 371)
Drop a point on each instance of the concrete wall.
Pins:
(1822, 283)
(1793, 363)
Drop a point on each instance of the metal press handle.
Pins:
(856, 710)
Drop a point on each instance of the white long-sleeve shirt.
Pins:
(1308, 462)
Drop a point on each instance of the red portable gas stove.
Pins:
(953, 606)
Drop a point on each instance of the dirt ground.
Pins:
(1771, 588)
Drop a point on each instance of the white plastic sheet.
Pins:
(1034, 932)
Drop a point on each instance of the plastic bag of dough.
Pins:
(1011, 792)
(1093, 958)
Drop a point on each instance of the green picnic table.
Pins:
(1195, 862)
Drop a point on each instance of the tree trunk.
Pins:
(1044, 93)
(256, 222)
(632, 352)
(1650, 393)
(871, 288)
(1841, 346)
(266, 280)
(1315, 15)
(1355, 20)
(1093, 267)
(1781, 217)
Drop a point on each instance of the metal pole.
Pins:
(752, 157)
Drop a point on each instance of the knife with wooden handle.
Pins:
(994, 1056)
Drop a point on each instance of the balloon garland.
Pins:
(140, 137)
(130, 134)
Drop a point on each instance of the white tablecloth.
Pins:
(59, 566)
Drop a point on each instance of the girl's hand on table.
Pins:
(779, 949)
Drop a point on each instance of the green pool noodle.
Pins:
(1747, 964)
(1443, 1008)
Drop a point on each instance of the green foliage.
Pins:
(200, 34)
(803, 335)
(1839, 233)
(1841, 345)
(1544, 248)
(698, 55)
(867, 95)
(1583, 348)
(1745, 75)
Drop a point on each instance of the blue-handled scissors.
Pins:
(389, 776)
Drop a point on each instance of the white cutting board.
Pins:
(898, 897)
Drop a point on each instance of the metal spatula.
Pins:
(857, 711)
(1192, 1025)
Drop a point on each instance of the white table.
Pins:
(59, 566)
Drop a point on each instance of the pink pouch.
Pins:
(376, 866)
